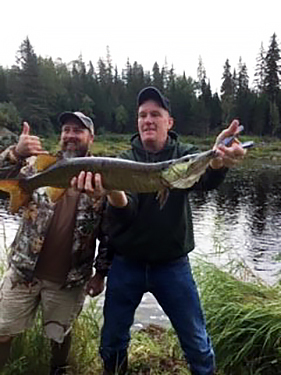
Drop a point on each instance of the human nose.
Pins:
(148, 119)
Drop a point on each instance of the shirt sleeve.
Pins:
(10, 163)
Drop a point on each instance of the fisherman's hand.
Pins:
(89, 183)
(92, 185)
(229, 156)
(28, 145)
(95, 285)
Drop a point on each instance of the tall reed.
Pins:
(243, 319)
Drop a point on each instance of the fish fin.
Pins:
(44, 161)
(18, 197)
(55, 193)
(162, 197)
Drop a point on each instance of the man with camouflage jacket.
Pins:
(53, 252)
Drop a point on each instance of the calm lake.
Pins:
(241, 220)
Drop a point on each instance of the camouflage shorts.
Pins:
(19, 303)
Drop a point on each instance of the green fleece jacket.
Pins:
(142, 231)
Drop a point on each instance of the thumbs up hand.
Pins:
(28, 145)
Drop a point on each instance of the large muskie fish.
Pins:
(117, 174)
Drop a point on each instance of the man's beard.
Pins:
(78, 152)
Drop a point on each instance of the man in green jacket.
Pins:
(52, 256)
(150, 244)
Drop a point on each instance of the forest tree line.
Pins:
(37, 89)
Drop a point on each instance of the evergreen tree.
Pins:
(109, 67)
(272, 69)
(183, 103)
(29, 97)
(202, 109)
(136, 80)
(259, 80)
(157, 77)
(227, 94)
(243, 98)
(54, 91)
(171, 79)
(78, 82)
(164, 75)
(216, 113)
(201, 76)
(102, 73)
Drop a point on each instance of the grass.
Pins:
(153, 351)
(243, 320)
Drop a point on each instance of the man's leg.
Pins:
(18, 305)
(5, 346)
(125, 288)
(59, 355)
(60, 306)
(174, 288)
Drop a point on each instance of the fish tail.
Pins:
(18, 196)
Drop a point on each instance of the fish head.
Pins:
(186, 171)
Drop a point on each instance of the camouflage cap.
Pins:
(84, 120)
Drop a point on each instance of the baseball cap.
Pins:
(153, 93)
(84, 120)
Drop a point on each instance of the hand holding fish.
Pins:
(28, 145)
(91, 183)
(229, 156)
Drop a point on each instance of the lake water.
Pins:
(241, 220)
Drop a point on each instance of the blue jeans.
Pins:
(173, 286)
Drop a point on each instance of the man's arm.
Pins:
(13, 158)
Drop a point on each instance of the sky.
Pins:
(176, 32)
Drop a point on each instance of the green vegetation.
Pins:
(37, 89)
(112, 144)
(266, 148)
(243, 320)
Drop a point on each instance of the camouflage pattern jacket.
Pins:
(90, 225)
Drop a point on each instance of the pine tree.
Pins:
(259, 80)
(164, 74)
(227, 93)
(243, 97)
(272, 69)
(109, 67)
(157, 78)
(201, 76)
(171, 82)
(29, 97)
